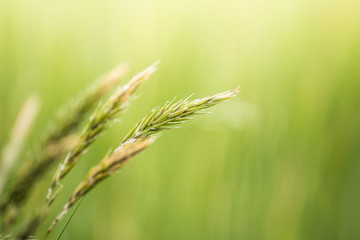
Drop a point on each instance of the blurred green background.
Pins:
(281, 161)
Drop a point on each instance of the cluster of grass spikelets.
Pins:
(54, 143)
(98, 122)
(63, 138)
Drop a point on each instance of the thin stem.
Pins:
(68, 221)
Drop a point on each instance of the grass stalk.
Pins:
(58, 140)
(138, 139)
(18, 135)
(99, 121)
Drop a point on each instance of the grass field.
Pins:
(279, 161)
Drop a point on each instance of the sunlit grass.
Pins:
(284, 164)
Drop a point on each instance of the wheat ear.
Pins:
(142, 135)
(171, 114)
(107, 166)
